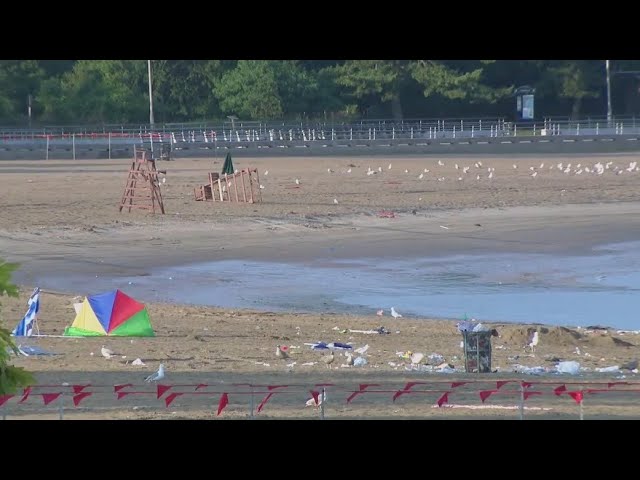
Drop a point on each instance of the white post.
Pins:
(393, 133)
(472, 130)
(454, 131)
(609, 112)
(521, 401)
(598, 128)
(47, 154)
(109, 145)
(582, 408)
(323, 400)
(578, 130)
(73, 144)
(61, 406)
(411, 133)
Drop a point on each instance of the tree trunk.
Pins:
(396, 107)
(575, 111)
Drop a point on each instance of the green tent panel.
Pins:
(228, 165)
(138, 325)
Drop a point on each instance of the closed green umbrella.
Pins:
(228, 165)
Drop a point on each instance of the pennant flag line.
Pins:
(4, 398)
(79, 397)
(170, 398)
(25, 394)
(47, 398)
(443, 399)
(224, 401)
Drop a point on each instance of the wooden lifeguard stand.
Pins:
(142, 189)
(242, 186)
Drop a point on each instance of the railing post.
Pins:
(73, 144)
(323, 400)
(61, 406)
(109, 145)
(454, 131)
(597, 128)
(472, 130)
(47, 154)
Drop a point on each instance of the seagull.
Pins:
(533, 340)
(328, 359)
(441, 163)
(266, 173)
(389, 167)
(297, 181)
(107, 353)
(380, 312)
(280, 353)
(312, 402)
(159, 375)
(335, 200)
(349, 359)
(261, 187)
(329, 170)
(349, 171)
(395, 314)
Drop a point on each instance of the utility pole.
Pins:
(609, 113)
(151, 94)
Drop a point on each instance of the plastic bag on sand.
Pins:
(614, 369)
(568, 367)
(360, 362)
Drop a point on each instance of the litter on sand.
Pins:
(329, 346)
(570, 367)
(29, 351)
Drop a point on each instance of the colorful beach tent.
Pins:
(111, 313)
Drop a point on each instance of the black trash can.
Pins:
(477, 351)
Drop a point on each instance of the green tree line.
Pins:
(116, 91)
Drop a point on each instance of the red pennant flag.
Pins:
(162, 389)
(79, 397)
(315, 394)
(201, 385)
(362, 388)
(458, 384)
(612, 384)
(50, 397)
(264, 401)
(501, 383)
(577, 396)
(224, 401)
(170, 398)
(122, 394)
(529, 394)
(406, 389)
(117, 388)
(526, 384)
(4, 398)
(25, 394)
(443, 399)
(486, 394)
(560, 390)
(79, 388)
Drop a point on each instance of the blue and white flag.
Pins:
(25, 327)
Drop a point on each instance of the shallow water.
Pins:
(596, 289)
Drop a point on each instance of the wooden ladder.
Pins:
(147, 195)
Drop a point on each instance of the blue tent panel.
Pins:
(102, 305)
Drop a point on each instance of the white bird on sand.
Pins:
(380, 169)
(329, 170)
(335, 200)
(350, 360)
(421, 176)
(380, 312)
(261, 187)
(280, 353)
(395, 314)
(389, 167)
(312, 402)
(328, 359)
(441, 163)
(107, 353)
(534, 338)
(159, 375)
(349, 171)
(266, 172)
(297, 181)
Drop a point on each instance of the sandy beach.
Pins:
(62, 217)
